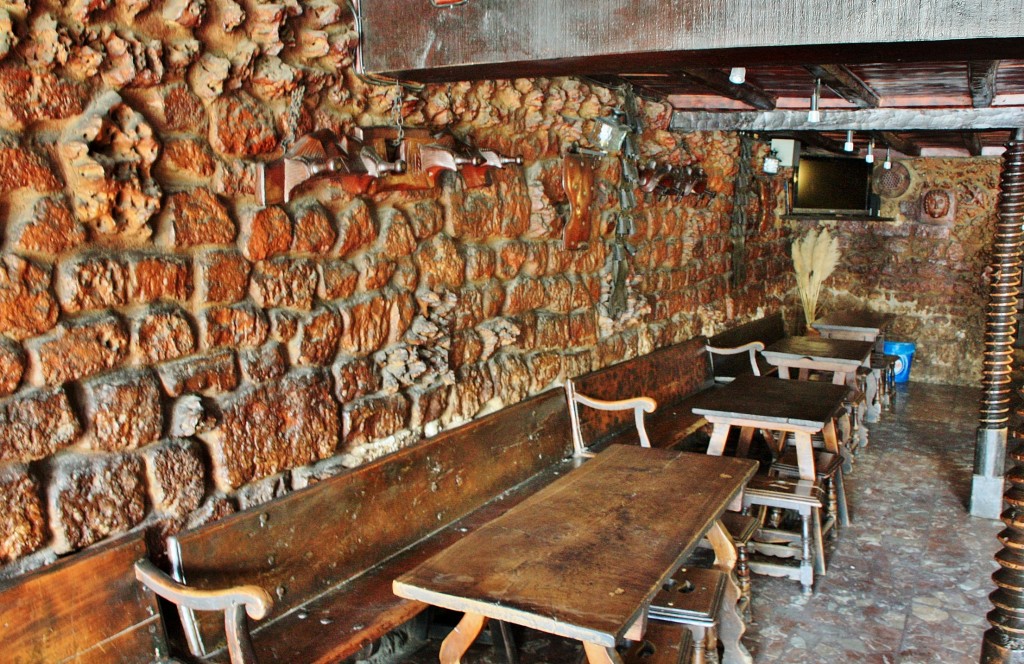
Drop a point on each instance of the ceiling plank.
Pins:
(972, 142)
(981, 77)
(718, 81)
(868, 119)
(898, 143)
(498, 38)
(846, 84)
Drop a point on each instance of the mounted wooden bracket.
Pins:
(578, 180)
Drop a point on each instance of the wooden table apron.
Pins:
(752, 402)
(584, 557)
(841, 356)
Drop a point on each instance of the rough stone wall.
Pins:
(929, 270)
(171, 352)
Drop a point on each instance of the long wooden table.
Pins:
(584, 557)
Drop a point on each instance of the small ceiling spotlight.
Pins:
(870, 156)
(814, 115)
(887, 164)
(738, 75)
(848, 145)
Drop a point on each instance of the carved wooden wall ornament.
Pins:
(578, 180)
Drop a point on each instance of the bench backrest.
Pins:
(84, 608)
(304, 543)
(767, 330)
(667, 375)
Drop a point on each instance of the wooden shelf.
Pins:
(834, 217)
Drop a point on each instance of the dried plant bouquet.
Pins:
(815, 256)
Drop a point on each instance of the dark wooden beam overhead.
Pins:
(503, 38)
(869, 119)
(718, 81)
(845, 84)
(898, 143)
(981, 75)
(972, 142)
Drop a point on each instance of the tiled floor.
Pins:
(908, 581)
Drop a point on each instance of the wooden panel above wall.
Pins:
(500, 39)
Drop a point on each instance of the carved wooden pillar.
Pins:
(1004, 642)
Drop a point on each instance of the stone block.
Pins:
(511, 377)
(426, 218)
(209, 374)
(357, 228)
(185, 161)
(91, 498)
(238, 325)
(316, 342)
(92, 281)
(396, 238)
(373, 323)
(314, 231)
(375, 271)
(22, 527)
(267, 428)
(558, 291)
(466, 348)
(284, 324)
(473, 388)
(263, 363)
(338, 279)
(159, 333)
(12, 366)
(77, 349)
(284, 282)
(440, 264)
(583, 328)
(48, 228)
(121, 410)
(35, 424)
(176, 477)
(156, 277)
(193, 218)
(354, 379)
(511, 257)
(241, 127)
(178, 109)
(524, 294)
(262, 490)
(264, 232)
(26, 306)
(428, 405)
(545, 368)
(374, 418)
(221, 276)
(481, 262)
(21, 167)
(577, 363)
(475, 218)
(187, 417)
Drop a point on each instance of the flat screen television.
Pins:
(833, 185)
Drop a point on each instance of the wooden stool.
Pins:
(805, 498)
(663, 643)
(741, 528)
(692, 597)
(884, 368)
(828, 469)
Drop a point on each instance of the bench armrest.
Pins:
(639, 406)
(752, 348)
(235, 602)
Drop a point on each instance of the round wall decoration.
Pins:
(892, 182)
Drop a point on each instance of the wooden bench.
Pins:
(767, 330)
(87, 607)
(327, 554)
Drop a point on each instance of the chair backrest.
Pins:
(719, 355)
(767, 330)
(639, 406)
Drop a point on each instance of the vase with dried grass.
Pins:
(815, 256)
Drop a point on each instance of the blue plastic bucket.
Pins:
(904, 352)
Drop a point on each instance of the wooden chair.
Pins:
(692, 597)
(663, 643)
(752, 349)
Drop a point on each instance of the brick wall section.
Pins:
(931, 273)
(170, 352)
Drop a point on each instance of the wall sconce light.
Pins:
(771, 163)
(870, 156)
(887, 164)
(609, 135)
(738, 75)
(814, 115)
(848, 145)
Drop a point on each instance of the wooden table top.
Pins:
(773, 400)
(819, 348)
(855, 321)
(584, 556)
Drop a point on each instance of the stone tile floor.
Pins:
(908, 581)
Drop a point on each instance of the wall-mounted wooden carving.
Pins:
(578, 180)
(937, 206)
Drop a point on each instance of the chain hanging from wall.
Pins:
(625, 222)
(740, 211)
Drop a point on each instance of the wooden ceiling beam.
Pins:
(868, 119)
(815, 139)
(718, 81)
(898, 143)
(972, 142)
(981, 78)
(846, 84)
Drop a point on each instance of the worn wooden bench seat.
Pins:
(84, 608)
(327, 554)
(767, 330)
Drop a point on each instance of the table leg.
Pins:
(461, 638)
(719, 434)
(730, 623)
(805, 454)
(600, 654)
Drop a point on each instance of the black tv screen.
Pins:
(832, 185)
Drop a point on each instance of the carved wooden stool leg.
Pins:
(699, 643)
(806, 563)
(743, 576)
(833, 504)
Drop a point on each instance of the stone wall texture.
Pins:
(929, 266)
(170, 352)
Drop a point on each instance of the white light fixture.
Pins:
(887, 164)
(870, 156)
(738, 75)
(771, 163)
(848, 145)
(814, 115)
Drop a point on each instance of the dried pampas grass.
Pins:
(815, 257)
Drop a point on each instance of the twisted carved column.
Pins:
(1004, 642)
